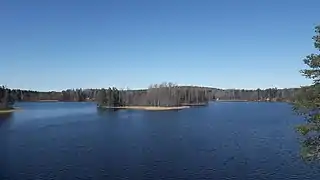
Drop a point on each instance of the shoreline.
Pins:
(3, 111)
(147, 108)
(194, 104)
(232, 100)
(10, 110)
(47, 100)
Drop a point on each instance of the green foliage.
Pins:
(157, 95)
(110, 97)
(71, 95)
(313, 60)
(308, 104)
(101, 97)
(310, 148)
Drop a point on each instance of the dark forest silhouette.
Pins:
(6, 98)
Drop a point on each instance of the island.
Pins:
(158, 97)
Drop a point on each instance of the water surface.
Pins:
(226, 140)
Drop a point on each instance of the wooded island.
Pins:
(165, 96)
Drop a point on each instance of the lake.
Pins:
(226, 140)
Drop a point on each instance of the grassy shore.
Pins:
(147, 108)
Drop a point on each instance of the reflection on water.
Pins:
(4, 118)
(106, 112)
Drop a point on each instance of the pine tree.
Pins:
(308, 103)
(6, 98)
(101, 97)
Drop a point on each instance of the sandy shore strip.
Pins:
(148, 108)
(7, 110)
(10, 110)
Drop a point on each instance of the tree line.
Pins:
(165, 94)
(73, 95)
(6, 99)
(270, 94)
(169, 94)
(157, 92)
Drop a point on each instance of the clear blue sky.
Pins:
(59, 44)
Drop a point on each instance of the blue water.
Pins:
(226, 140)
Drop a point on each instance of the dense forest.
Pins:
(165, 94)
(67, 95)
(161, 94)
(6, 100)
(168, 94)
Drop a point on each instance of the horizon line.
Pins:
(127, 88)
